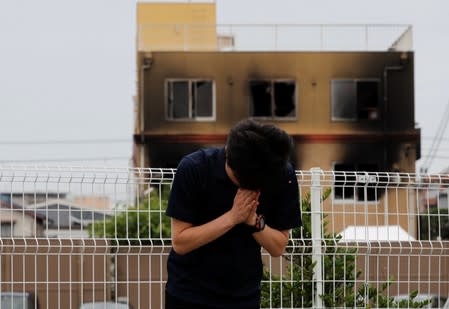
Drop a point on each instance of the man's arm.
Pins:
(272, 240)
(186, 237)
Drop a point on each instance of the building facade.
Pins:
(346, 110)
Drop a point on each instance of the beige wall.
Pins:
(392, 208)
(392, 156)
(61, 273)
(176, 26)
(24, 224)
(312, 72)
(93, 202)
(376, 140)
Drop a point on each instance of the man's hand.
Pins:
(251, 219)
(244, 207)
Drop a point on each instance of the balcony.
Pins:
(275, 37)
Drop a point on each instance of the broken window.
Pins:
(190, 99)
(355, 99)
(357, 182)
(202, 99)
(272, 98)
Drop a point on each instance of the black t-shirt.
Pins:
(227, 271)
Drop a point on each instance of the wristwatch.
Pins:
(260, 224)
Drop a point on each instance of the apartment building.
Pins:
(347, 109)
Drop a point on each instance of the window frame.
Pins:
(272, 103)
(190, 118)
(357, 174)
(356, 117)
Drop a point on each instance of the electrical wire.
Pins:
(65, 142)
(436, 141)
(67, 160)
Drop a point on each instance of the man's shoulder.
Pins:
(201, 157)
(198, 167)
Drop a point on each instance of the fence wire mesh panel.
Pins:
(70, 236)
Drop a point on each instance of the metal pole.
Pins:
(316, 220)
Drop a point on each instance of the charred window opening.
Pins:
(355, 99)
(273, 98)
(260, 98)
(190, 99)
(357, 182)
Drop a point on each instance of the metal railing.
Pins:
(73, 235)
(274, 37)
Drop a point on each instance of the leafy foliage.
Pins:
(143, 223)
(296, 288)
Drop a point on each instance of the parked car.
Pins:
(105, 305)
(18, 300)
(436, 301)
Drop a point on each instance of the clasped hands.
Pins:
(245, 206)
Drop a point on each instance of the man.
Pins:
(224, 205)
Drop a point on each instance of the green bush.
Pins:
(296, 288)
(142, 224)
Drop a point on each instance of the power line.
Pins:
(433, 137)
(436, 157)
(436, 141)
(66, 160)
(65, 142)
(439, 149)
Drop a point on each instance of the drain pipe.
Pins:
(147, 63)
(386, 70)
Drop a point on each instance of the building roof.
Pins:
(28, 212)
(64, 214)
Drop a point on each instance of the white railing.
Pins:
(72, 235)
(274, 37)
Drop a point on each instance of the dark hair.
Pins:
(257, 153)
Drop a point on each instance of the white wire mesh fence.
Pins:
(71, 236)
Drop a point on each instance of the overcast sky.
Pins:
(67, 69)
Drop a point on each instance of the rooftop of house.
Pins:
(65, 214)
(27, 212)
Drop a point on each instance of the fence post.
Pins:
(317, 257)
